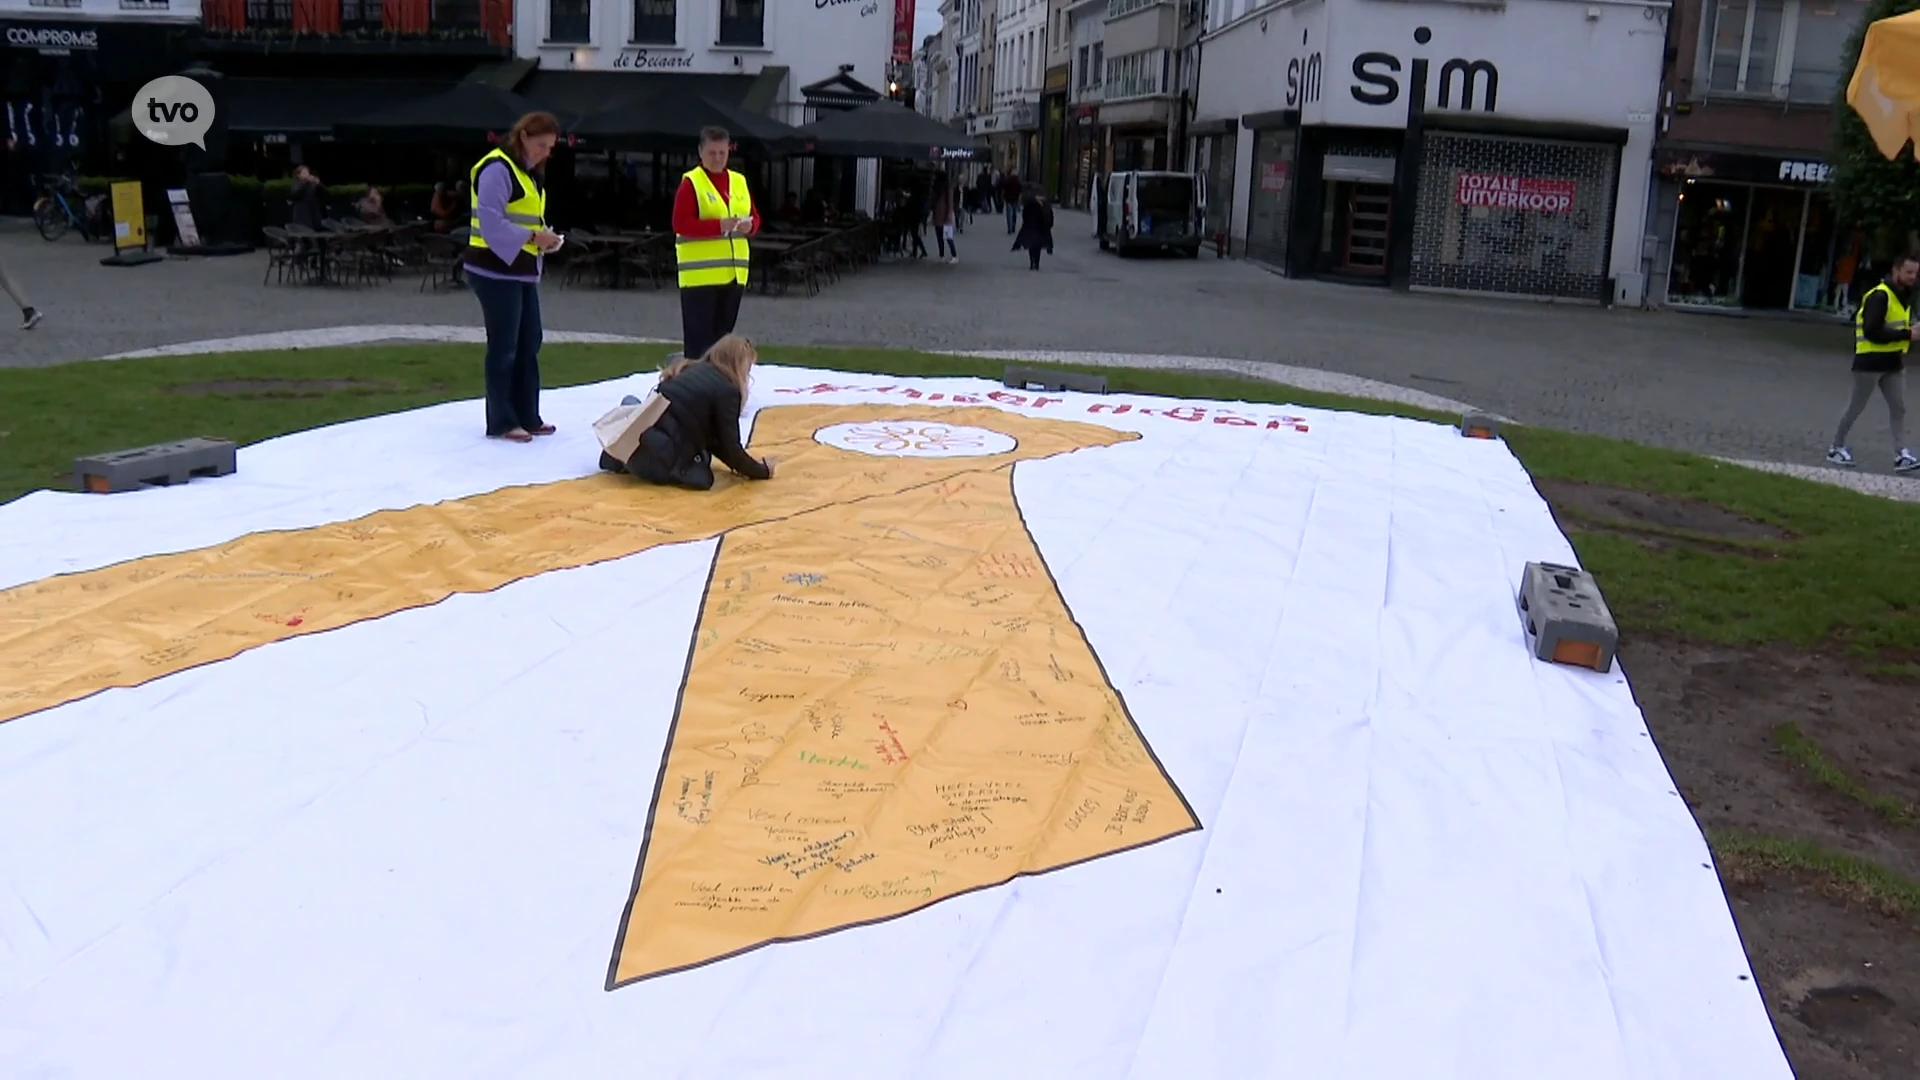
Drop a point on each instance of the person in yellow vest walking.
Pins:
(1883, 330)
(713, 214)
(506, 252)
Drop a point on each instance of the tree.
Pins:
(1881, 195)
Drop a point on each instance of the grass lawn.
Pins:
(1845, 578)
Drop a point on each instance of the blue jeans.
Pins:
(512, 313)
(1013, 218)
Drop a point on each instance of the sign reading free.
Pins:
(1495, 192)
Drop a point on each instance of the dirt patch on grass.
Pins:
(1658, 521)
(1838, 960)
(282, 388)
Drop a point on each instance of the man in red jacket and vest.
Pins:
(713, 215)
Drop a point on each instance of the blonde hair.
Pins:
(532, 125)
(733, 355)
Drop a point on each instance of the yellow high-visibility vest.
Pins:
(716, 260)
(527, 207)
(1898, 318)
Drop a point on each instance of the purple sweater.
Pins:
(502, 236)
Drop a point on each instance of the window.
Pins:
(655, 22)
(570, 21)
(1138, 74)
(1820, 38)
(1118, 8)
(1746, 43)
(1098, 69)
(1782, 48)
(1080, 69)
(743, 23)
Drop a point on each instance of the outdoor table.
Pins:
(322, 245)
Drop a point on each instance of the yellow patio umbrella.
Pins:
(1885, 90)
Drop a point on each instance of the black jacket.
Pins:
(703, 416)
(1036, 226)
(1873, 323)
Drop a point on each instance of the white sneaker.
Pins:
(30, 318)
(1906, 462)
(1841, 456)
(954, 261)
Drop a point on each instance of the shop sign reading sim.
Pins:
(1490, 191)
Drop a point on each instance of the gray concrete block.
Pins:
(1039, 379)
(1478, 425)
(1565, 617)
(154, 466)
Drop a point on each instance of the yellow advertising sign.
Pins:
(129, 216)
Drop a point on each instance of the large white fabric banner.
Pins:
(998, 735)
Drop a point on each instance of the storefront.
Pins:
(1752, 232)
(1054, 172)
(66, 78)
(1013, 137)
(1081, 153)
(1215, 150)
(1441, 147)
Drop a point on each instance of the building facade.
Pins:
(1054, 121)
(932, 77)
(1084, 144)
(1138, 109)
(1012, 128)
(1501, 149)
(1740, 216)
(69, 67)
(814, 44)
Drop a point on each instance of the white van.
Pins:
(1139, 211)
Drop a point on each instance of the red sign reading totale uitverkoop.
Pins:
(1498, 192)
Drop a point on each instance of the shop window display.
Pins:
(1709, 235)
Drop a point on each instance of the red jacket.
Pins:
(686, 209)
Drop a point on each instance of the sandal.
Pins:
(518, 435)
(545, 429)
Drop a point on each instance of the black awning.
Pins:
(583, 93)
(467, 111)
(672, 119)
(315, 106)
(887, 129)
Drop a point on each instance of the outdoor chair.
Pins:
(440, 260)
(284, 256)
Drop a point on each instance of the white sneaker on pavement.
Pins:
(1906, 462)
(1841, 456)
(30, 318)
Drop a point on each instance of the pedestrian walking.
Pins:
(943, 219)
(506, 253)
(29, 315)
(1011, 191)
(713, 214)
(1036, 227)
(1883, 330)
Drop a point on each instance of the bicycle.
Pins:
(54, 211)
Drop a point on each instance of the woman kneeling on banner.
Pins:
(704, 399)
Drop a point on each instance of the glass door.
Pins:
(1772, 256)
(1813, 286)
(1709, 237)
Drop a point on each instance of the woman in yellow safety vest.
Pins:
(506, 249)
(1883, 330)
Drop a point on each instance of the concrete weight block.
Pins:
(1477, 425)
(154, 466)
(1565, 617)
(1035, 379)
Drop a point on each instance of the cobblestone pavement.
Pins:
(1752, 389)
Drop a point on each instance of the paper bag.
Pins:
(619, 431)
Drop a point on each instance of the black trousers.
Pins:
(707, 314)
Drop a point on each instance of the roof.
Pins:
(840, 89)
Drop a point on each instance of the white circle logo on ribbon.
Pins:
(174, 110)
(915, 438)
